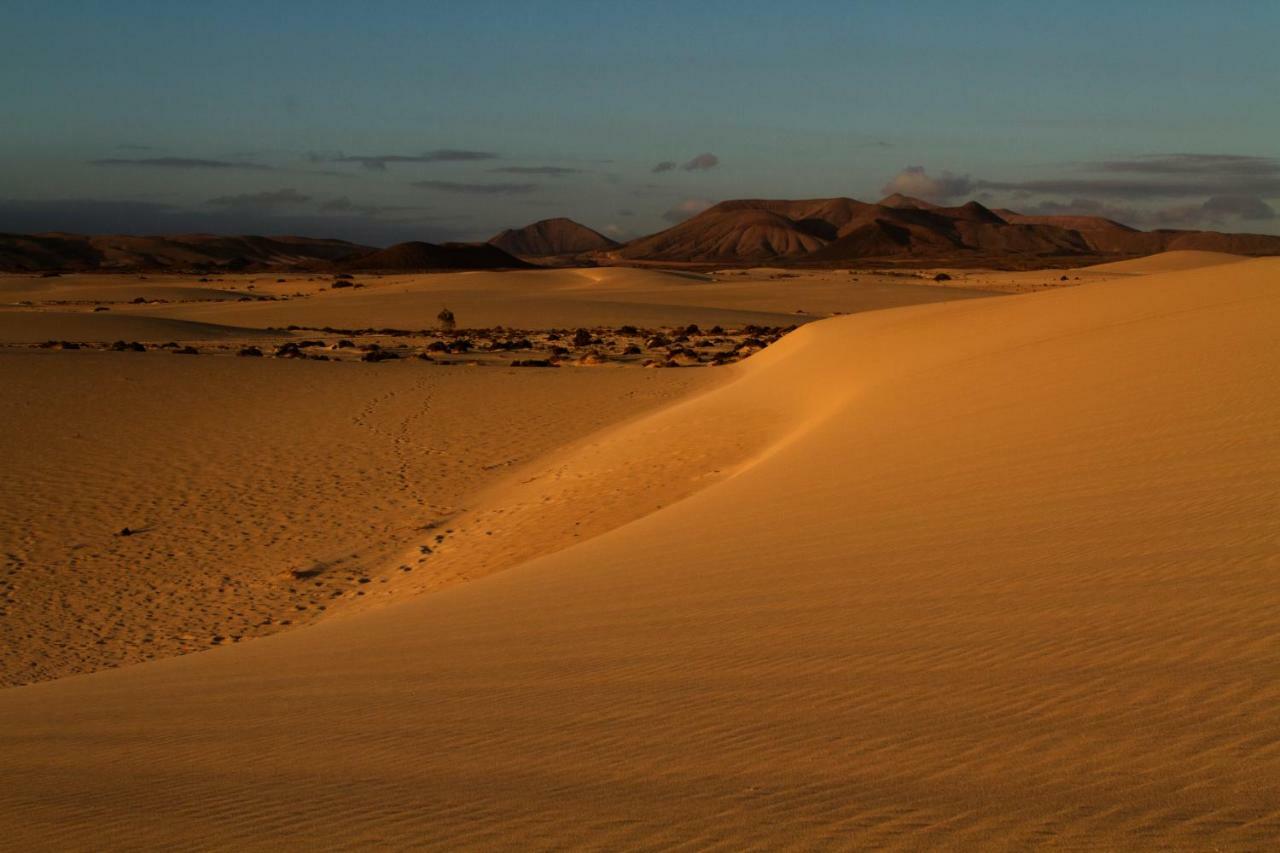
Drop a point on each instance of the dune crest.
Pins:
(1000, 573)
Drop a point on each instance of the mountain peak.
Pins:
(548, 237)
(906, 201)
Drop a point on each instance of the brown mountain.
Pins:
(419, 256)
(840, 230)
(72, 252)
(551, 237)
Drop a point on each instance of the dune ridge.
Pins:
(1048, 619)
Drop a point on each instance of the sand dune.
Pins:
(1176, 261)
(565, 299)
(98, 288)
(233, 474)
(991, 574)
(35, 326)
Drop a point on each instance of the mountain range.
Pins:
(833, 231)
(812, 232)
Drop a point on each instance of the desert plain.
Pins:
(746, 558)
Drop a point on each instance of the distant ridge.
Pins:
(551, 237)
(76, 252)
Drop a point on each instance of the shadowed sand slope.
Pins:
(36, 326)
(1003, 576)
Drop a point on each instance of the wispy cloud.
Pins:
(265, 200)
(1163, 176)
(179, 163)
(379, 162)
(551, 171)
(1195, 164)
(343, 204)
(1173, 190)
(477, 189)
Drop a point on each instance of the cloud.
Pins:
(1216, 210)
(1139, 189)
(1085, 207)
(265, 200)
(1238, 206)
(178, 163)
(664, 166)
(343, 204)
(1163, 176)
(685, 209)
(378, 162)
(477, 189)
(915, 181)
(1235, 186)
(553, 171)
(701, 163)
(1194, 164)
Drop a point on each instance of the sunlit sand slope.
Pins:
(1177, 261)
(233, 474)
(1004, 577)
(563, 299)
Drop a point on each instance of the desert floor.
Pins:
(982, 573)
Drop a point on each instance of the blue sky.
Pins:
(394, 120)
